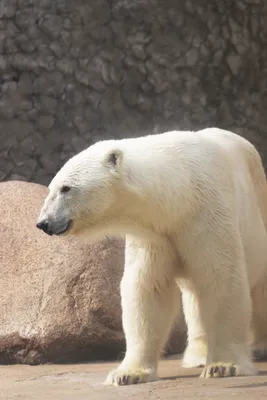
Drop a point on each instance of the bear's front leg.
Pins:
(150, 299)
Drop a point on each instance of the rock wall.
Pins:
(76, 71)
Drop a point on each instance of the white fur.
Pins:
(193, 206)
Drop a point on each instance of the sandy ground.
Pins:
(84, 382)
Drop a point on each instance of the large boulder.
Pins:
(59, 297)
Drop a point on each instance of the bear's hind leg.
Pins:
(226, 315)
(150, 299)
(259, 320)
(195, 354)
(217, 274)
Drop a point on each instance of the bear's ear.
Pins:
(113, 159)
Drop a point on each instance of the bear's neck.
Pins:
(139, 217)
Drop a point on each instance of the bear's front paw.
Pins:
(122, 377)
(220, 370)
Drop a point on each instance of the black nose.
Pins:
(44, 226)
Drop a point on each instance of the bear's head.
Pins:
(85, 195)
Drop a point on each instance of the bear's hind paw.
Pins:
(225, 370)
(124, 377)
(195, 354)
(220, 370)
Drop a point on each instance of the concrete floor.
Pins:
(84, 382)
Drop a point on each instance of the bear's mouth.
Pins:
(65, 229)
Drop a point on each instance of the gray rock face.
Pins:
(74, 72)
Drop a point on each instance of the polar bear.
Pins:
(193, 207)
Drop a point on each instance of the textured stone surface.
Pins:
(59, 298)
(73, 72)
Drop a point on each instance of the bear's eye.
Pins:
(64, 189)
